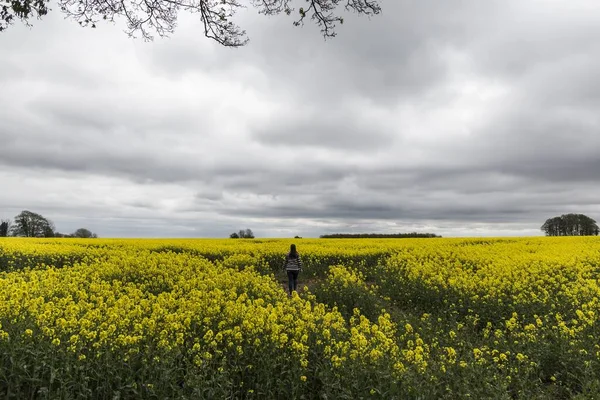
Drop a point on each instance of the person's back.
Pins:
(293, 263)
(293, 266)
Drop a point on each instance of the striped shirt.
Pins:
(292, 264)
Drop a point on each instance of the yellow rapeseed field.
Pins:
(376, 318)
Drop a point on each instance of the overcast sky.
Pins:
(461, 118)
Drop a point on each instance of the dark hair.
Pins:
(293, 251)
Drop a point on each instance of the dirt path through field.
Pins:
(310, 283)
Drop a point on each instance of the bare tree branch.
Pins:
(149, 17)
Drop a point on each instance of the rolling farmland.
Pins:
(499, 318)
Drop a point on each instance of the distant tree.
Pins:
(30, 224)
(49, 230)
(83, 233)
(5, 226)
(297, 237)
(570, 225)
(243, 234)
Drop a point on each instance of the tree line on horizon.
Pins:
(379, 235)
(30, 224)
(570, 225)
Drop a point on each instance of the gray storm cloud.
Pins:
(465, 118)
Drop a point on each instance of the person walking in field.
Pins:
(293, 266)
